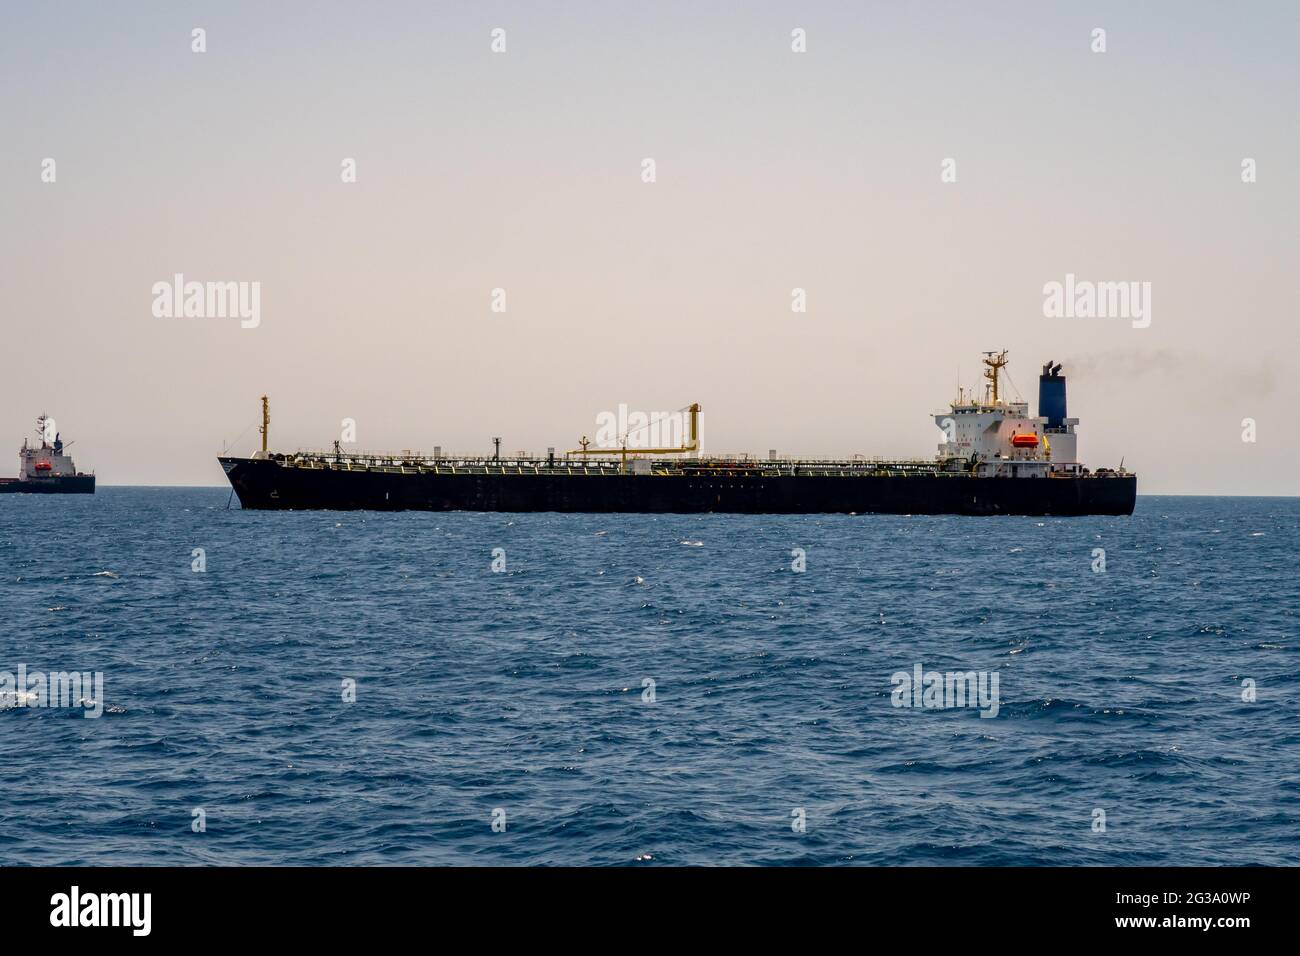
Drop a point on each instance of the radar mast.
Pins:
(995, 361)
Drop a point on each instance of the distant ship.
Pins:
(995, 459)
(45, 469)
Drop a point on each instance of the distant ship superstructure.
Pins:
(45, 468)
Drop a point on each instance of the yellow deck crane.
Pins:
(688, 447)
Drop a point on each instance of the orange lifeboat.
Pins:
(1024, 441)
(42, 466)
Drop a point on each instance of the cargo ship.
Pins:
(44, 469)
(995, 459)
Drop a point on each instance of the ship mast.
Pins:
(266, 423)
(995, 362)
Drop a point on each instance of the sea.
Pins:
(350, 688)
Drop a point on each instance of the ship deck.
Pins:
(592, 465)
(614, 465)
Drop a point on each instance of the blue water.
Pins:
(522, 691)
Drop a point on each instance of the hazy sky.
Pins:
(775, 170)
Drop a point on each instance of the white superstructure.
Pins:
(995, 437)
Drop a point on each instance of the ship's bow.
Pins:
(252, 480)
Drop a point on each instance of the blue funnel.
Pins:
(1051, 396)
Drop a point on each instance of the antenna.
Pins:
(496, 455)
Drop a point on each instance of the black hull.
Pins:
(62, 485)
(265, 484)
